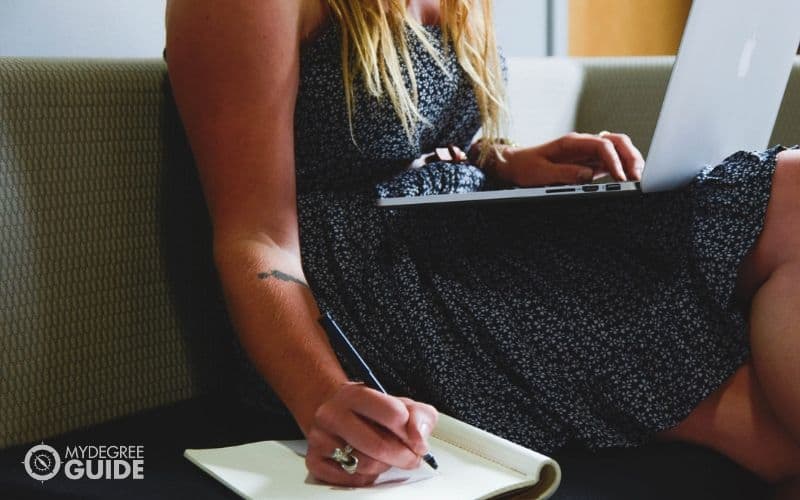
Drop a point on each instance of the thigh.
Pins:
(736, 420)
(779, 242)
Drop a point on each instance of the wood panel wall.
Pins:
(626, 27)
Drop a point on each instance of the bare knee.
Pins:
(790, 157)
(786, 181)
(779, 242)
(737, 421)
(785, 276)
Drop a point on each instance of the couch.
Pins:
(112, 326)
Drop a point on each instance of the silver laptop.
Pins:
(724, 95)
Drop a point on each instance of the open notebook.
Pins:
(472, 464)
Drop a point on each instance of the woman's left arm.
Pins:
(572, 159)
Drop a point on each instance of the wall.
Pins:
(135, 28)
(522, 26)
(626, 27)
(82, 28)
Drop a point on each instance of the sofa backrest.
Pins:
(101, 241)
(108, 299)
(550, 97)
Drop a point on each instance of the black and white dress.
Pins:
(591, 324)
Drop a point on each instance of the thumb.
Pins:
(569, 173)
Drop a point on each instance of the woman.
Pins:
(673, 316)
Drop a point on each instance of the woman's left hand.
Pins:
(573, 159)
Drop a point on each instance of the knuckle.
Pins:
(395, 421)
(397, 418)
(566, 140)
(434, 413)
(425, 409)
(350, 389)
(314, 437)
(607, 143)
(325, 416)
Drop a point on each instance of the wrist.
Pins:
(307, 402)
(493, 157)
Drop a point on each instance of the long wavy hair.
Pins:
(375, 49)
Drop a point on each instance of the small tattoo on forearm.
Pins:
(281, 276)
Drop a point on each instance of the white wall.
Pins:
(135, 28)
(82, 28)
(521, 26)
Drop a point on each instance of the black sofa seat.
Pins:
(658, 471)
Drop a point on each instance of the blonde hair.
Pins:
(375, 49)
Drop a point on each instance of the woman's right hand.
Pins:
(383, 430)
(572, 159)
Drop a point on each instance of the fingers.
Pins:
(586, 147)
(451, 153)
(371, 422)
(328, 471)
(548, 173)
(565, 173)
(632, 159)
(324, 468)
(575, 159)
(383, 431)
(375, 441)
(421, 422)
(380, 408)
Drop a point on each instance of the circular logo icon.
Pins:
(42, 462)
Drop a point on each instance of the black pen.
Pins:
(340, 340)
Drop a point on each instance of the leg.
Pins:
(771, 275)
(755, 417)
(737, 421)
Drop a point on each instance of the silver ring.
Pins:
(345, 459)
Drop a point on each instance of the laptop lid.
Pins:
(726, 88)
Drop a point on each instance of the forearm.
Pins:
(275, 316)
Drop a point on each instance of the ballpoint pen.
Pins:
(340, 341)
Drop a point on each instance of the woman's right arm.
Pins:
(234, 69)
